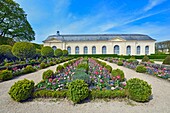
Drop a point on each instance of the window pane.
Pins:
(116, 49)
(54, 48)
(69, 50)
(85, 50)
(104, 50)
(93, 50)
(128, 50)
(77, 50)
(147, 50)
(138, 50)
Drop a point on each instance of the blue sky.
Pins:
(151, 17)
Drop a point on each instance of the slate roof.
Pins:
(98, 37)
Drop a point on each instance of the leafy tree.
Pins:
(24, 50)
(5, 51)
(6, 41)
(58, 52)
(47, 51)
(65, 53)
(13, 22)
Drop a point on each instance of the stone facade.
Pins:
(122, 44)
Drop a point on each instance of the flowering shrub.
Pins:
(48, 74)
(118, 74)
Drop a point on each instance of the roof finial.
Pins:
(58, 33)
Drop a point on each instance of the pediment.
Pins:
(117, 39)
(53, 40)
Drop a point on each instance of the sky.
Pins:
(150, 17)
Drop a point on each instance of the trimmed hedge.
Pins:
(167, 60)
(5, 75)
(118, 72)
(141, 69)
(48, 74)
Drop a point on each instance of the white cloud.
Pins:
(152, 4)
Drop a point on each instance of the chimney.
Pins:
(58, 33)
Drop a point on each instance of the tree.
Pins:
(38, 52)
(13, 22)
(58, 52)
(6, 41)
(65, 53)
(47, 51)
(24, 50)
(5, 51)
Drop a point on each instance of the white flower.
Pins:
(113, 88)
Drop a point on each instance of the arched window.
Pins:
(104, 50)
(116, 49)
(54, 48)
(77, 50)
(69, 49)
(85, 50)
(138, 50)
(146, 50)
(94, 50)
(128, 50)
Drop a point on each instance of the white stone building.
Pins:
(122, 44)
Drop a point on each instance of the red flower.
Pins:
(50, 79)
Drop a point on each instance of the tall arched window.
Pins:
(138, 50)
(94, 50)
(104, 50)
(85, 50)
(116, 49)
(146, 50)
(128, 50)
(77, 50)
(54, 48)
(69, 49)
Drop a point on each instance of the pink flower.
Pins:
(101, 80)
(50, 79)
(118, 77)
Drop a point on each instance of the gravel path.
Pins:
(159, 104)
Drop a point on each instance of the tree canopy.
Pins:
(13, 22)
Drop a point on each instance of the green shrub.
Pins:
(29, 69)
(60, 68)
(141, 69)
(51, 63)
(167, 60)
(109, 68)
(120, 63)
(118, 72)
(84, 66)
(21, 90)
(152, 61)
(6, 51)
(58, 52)
(132, 58)
(22, 62)
(65, 65)
(48, 74)
(138, 90)
(97, 94)
(81, 75)
(65, 53)
(38, 52)
(8, 64)
(5, 75)
(78, 91)
(49, 93)
(145, 58)
(103, 64)
(47, 51)
(24, 50)
(42, 65)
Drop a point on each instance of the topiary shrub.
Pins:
(138, 90)
(58, 52)
(78, 91)
(167, 60)
(145, 58)
(65, 53)
(120, 63)
(21, 90)
(48, 74)
(6, 51)
(59, 68)
(47, 51)
(141, 69)
(5, 75)
(103, 64)
(42, 65)
(109, 68)
(51, 63)
(118, 72)
(29, 69)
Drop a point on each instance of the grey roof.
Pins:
(98, 37)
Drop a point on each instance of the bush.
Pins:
(21, 90)
(120, 63)
(109, 68)
(118, 72)
(60, 68)
(167, 60)
(151, 61)
(48, 74)
(51, 63)
(58, 52)
(42, 65)
(65, 53)
(5, 75)
(138, 90)
(6, 51)
(47, 51)
(29, 69)
(145, 58)
(103, 64)
(38, 52)
(78, 91)
(141, 69)
(24, 50)
(84, 66)
(81, 75)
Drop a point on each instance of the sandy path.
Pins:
(159, 104)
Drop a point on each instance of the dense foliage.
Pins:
(48, 74)
(141, 69)
(6, 51)
(167, 60)
(47, 51)
(24, 50)
(118, 73)
(29, 69)
(6, 41)
(65, 53)
(21, 90)
(5, 75)
(145, 58)
(58, 52)
(78, 91)
(59, 68)
(120, 63)
(138, 90)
